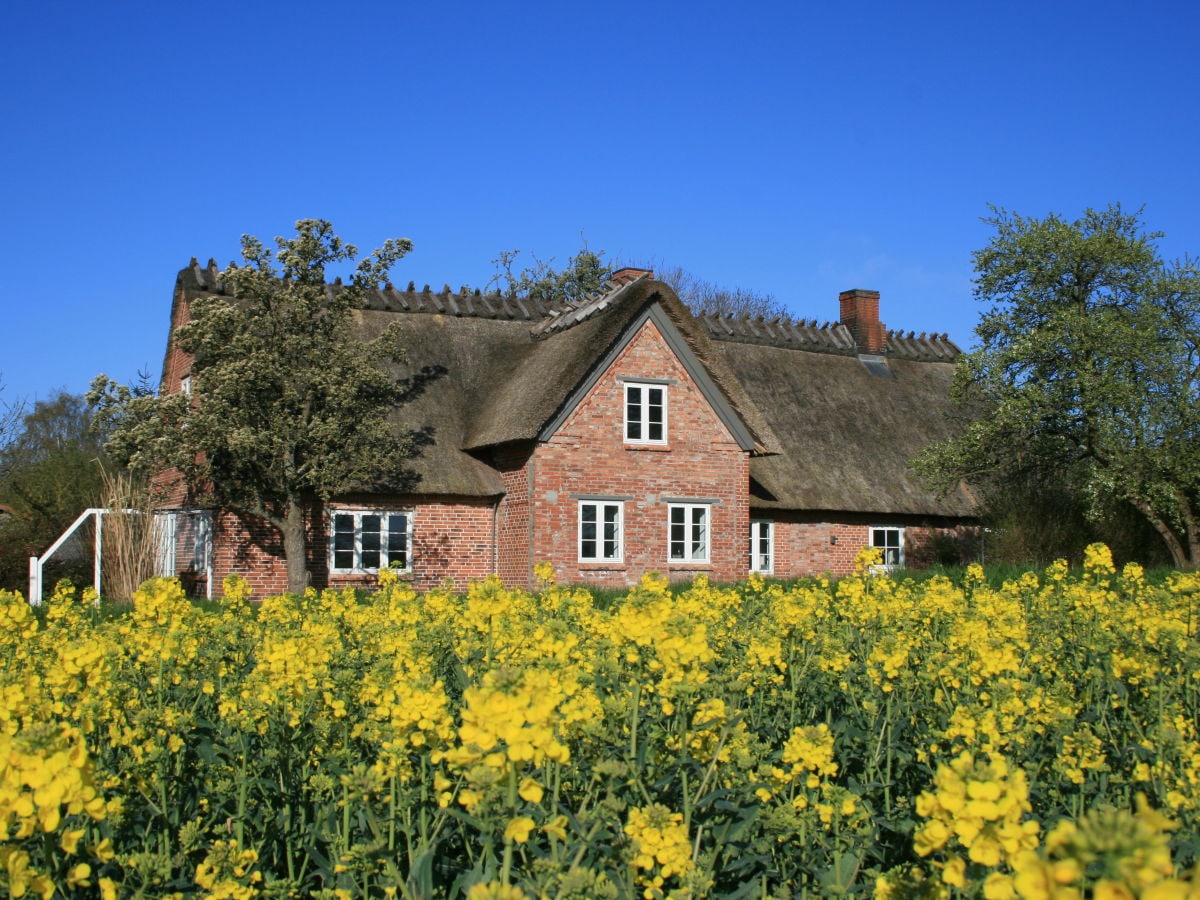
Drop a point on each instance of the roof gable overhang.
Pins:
(655, 313)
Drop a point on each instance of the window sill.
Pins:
(694, 567)
(653, 448)
(364, 573)
(613, 566)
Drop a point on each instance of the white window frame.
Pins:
(690, 540)
(762, 531)
(600, 510)
(643, 405)
(357, 548)
(896, 552)
(185, 385)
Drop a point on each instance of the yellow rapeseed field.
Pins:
(870, 737)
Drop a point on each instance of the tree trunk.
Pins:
(1181, 558)
(295, 548)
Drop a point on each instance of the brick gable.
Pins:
(587, 457)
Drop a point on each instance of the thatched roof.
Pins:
(849, 433)
(824, 433)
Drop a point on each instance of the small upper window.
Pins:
(645, 413)
(891, 542)
(185, 385)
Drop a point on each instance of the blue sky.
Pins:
(796, 149)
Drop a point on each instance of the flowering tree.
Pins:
(286, 402)
(1088, 368)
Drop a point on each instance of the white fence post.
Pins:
(96, 567)
(35, 581)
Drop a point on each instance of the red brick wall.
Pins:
(513, 535)
(824, 543)
(170, 490)
(588, 456)
(452, 542)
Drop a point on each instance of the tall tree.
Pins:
(287, 403)
(1088, 364)
(10, 418)
(51, 470)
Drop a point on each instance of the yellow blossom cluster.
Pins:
(980, 806)
(46, 792)
(659, 842)
(505, 742)
(227, 872)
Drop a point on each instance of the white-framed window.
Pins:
(645, 413)
(185, 385)
(365, 540)
(601, 531)
(762, 546)
(688, 532)
(891, 541)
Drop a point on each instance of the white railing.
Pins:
(37, 564)
(166, 523)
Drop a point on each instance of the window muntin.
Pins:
(601, 531)
(366, 540)
(645, 413)
(688, 532)
(762, 546)
(891, 542)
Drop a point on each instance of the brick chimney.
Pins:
(628, 274)
(860, 313)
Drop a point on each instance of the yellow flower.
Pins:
(955, 871)
(518, 829)
(530, 790)
(556, 827)
(494, 890)
(69, 840)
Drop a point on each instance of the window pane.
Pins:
(369, 541)
(612, 532)
(889, 541)
(633, 413)
(760, 547)
(699, 532)
(678, 537)
(343, 541)
(654, 414)
(343, 532)
(587, 531)
(397, 541)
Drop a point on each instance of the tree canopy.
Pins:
(52, 468)
(286, 402)
(1088, 370)
(708, 298)
(585, 273)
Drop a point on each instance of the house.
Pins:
(620, 435)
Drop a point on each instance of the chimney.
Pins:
(860, 313)
(628, 274)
